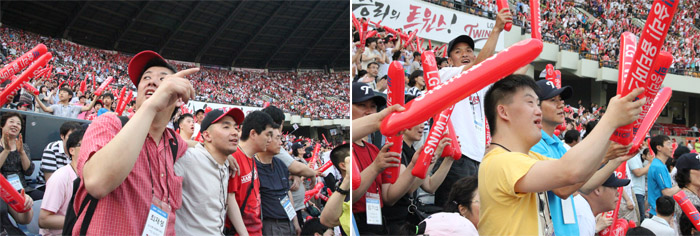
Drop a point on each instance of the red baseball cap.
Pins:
(140, 61)
(218, 114)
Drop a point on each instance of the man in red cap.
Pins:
(205, 174)
(129, 169)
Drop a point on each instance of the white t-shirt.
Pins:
(469, 119)
(384, 68)
(369, 53)
(584, 214)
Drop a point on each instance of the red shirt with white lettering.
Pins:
(239, 184)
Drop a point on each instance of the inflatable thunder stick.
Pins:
(653, 35)
(325, 167)
(127, 100)
(535, 19)
(22, 62)
(657, 106)
(428, 150)
(619, 227)
(356, 176)
(690, 211)
(396, 83)
(654, 80)
(504, 4)
(11, 196)
(314, 157)
(370, 34)
(30, 88)
(104, 85)
(549, 73)
(557, 79)
(24, 77)
(459, 87)
(83, 86)
(620, 172)
(628, 45)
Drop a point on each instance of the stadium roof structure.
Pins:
(248, 34)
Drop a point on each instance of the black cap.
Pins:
(460, 39)
(614, 182)
(362, 92)
(548, 90)
(297, 145)
(688, 161)
(215, 115)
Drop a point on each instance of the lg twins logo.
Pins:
(366, 88)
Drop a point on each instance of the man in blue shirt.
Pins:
(561, 205)
(658, 178)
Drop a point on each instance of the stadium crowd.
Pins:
(538, 150)
(316, 95)
(596, 33)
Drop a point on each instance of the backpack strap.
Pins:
(173, 144)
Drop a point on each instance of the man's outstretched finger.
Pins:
(633, 94)
(185, 73)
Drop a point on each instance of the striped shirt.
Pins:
(54, 157)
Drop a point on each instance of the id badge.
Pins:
(288, 208)
(374, 212)
(15, 181)
(157, 221)
(567, 210)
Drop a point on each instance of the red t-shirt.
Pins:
(239, 185)
(363, 157)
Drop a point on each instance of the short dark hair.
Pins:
(7, 115)
(157, 62)
(66, 89)
(275, 113)
(502, 92)
(416, 54)
(257, 121)
(110, 95)
(339, 153)
(571, 136)
(74, 138)
(313, 226)
(664, 205)
(639, 230)
(658, 140)
(589, 127)
(685, 225)
(373, 63)
(82, 96)
(682, 177)
(69, 126)
(413, 76)
(182, 119)
(462, 193)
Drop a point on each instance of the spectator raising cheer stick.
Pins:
(24, 77)
(457, 88)
(13, 198)
(503, 4)
(395, 96)
(430, 146)
(653, 35)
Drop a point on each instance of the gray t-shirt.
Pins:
(299, 194)
(69, 111)
(285, 157)
(204, 193)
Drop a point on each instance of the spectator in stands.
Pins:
(598, 201)
(298, 187)
(185, 125)
(639, 178)
(372, 54)
(416, 83)
(204, 202)
(686, 226)
(294, 167)
(464, 199)
(278, 219)
(59, 189)
(55, 155)
(63, 108)
(20, 218)
(23, 106)
(687, 178)
(660, 224)
(95, 109)
(515, 121)
(337, 209)
(382, 85)
(45, 97)
(571, 138)
(313, 227)
(659, 179)
(468, 114)
(117, 157)
(371, 77)
(243, 202)
(107, 104)
(416, 63)
(15, 155)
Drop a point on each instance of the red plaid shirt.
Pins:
(125, 209)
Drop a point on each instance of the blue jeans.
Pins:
(640, 203)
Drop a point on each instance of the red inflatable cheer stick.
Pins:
(650, 43)
(11, 196)
(356, 23)
(24, 77)
(549, 73)
(501, 5)
(628, 45)
(310, 193)
(370, 34)
(459, 87)
(557, 79)
(30, 88)
(104, 85)
(314, 157)
(618, 228)
(356, 176)
(396, 83)
(654, 80)
(428, 150)
(325, 140)
(535, 19)
(657, 106)
(122, 106)
(325, 167)
(430, 71)
(83, 86)
(22, 62)
(120, 99)
(454, 145)
(690, 211)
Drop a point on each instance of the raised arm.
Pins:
(89, 106)
(489, 48)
